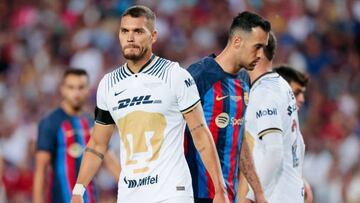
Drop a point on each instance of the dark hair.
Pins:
(292, 75)
(141, 11)
(270, 48)
(75, 71)
(246, 20)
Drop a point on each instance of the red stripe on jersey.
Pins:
(51, 185)
(238, 114)
(185, 144)
(218, 108)
(70, 161)
(86, 130)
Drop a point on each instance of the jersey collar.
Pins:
(148, 65)
(264, 75)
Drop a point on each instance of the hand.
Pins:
(308, 192)
(221, 197)
(77, 199)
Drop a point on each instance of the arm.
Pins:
(247, 168)
(112, 164)
(308, 192)
(42, 161)
(93, 155)
(271, 162)
(204, 143)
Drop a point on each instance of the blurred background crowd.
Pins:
(39, 39)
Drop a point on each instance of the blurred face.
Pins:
(251, 47)
(299, 92)
(75, 90)
(136, 37)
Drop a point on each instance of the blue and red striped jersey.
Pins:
(65, 137)
(224, 98)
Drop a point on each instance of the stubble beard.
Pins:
(134, 56)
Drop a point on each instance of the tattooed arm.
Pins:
(205, 145)
(247, 168)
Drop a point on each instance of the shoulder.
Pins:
(53, 119)
(114, 76)
(198, 68)
(268, 88)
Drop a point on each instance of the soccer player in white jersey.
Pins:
(298, 82)
(149, 99)
(272, 121)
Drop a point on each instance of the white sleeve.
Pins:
(185, 89)
(102, 112)
(101, 94)
(267, 112)
(269, 166)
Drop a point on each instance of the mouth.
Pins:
(131, 47)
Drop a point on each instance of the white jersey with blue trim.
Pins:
(272, 108)
(147, 108)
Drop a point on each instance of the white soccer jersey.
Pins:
(148, 108)
(272, 107)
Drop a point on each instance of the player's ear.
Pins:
(236, 40)
(154, 36)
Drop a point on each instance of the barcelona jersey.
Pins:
(65, 137)
(223, 97)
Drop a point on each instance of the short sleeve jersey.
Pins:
(65, 138)
(147, 108)
(272, 108)
(223, 97)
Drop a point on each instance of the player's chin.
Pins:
(132, 56)
(250, 67)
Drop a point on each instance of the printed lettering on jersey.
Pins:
(189, 82)
(266, 112)
(137, 100)
(291, 109)
(141, 142)
(223, 120)
(149, 180)
(291, 93)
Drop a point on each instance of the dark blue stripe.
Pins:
(61, 165)
(220, 145)
(159, 63)
(118, 75)
(229, 129)
(151, 69)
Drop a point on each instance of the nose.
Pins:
(130, 37)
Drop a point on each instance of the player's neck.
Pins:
(136, 65)
(227, 62)
(70, 110)
(259, 70)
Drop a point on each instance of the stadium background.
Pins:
(40, 38)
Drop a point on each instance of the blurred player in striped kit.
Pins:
(62, 137)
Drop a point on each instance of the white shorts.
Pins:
(179, 200)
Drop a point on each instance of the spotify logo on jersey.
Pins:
(222, 120)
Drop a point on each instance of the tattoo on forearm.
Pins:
(197, 127)
(96, 153)
(248, 169)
